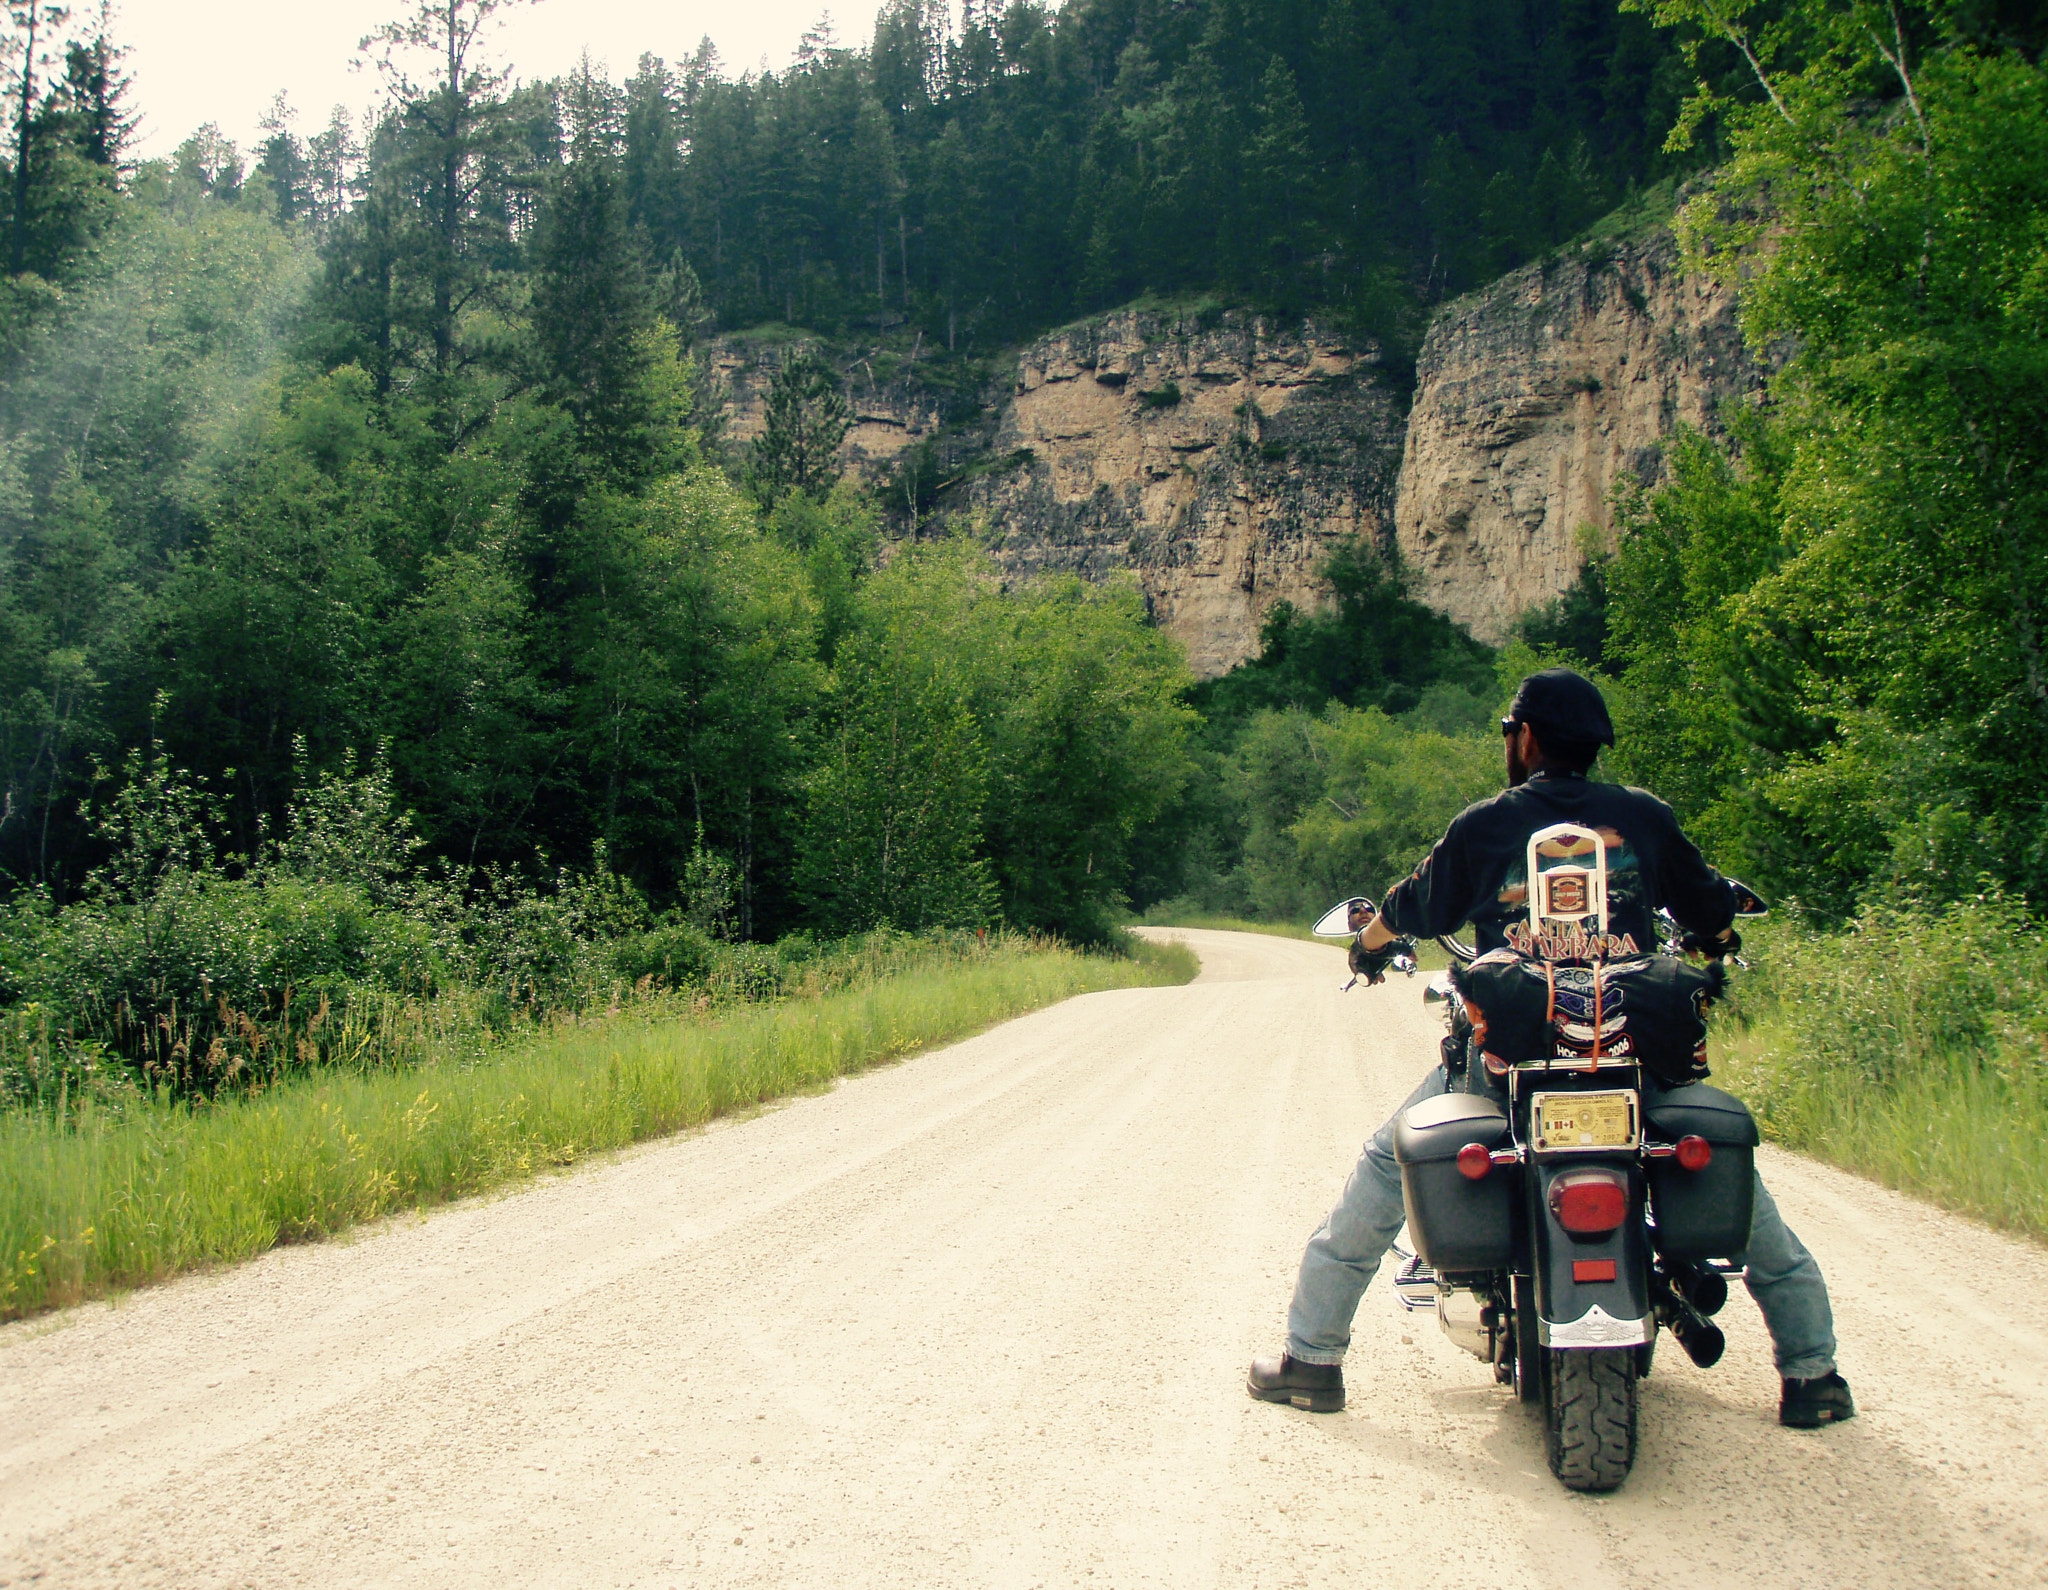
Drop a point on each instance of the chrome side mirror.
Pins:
(1344, 918)
(1747, 901)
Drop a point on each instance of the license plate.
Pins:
(1564, 1122)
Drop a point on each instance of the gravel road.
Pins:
(982, 1318)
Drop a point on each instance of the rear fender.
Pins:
(1577, 1305)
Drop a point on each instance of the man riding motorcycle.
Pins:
(1475, 874)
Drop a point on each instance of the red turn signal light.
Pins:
(1589, 1203)
(1474, 1161)
(1695, 1153)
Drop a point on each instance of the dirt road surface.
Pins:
(982, 1319)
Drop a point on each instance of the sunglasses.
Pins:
(1509, 725)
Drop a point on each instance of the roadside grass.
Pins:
(1225, 924)
(1954, 1133)
(1428, 954)
(95, 1201)
(1911, 1048)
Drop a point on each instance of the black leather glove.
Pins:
(1372, 964)
(1712, 948)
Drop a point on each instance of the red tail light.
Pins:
(1474, 1161)
(1588, 1203)
(1695, 1153)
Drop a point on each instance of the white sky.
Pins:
(223, 61)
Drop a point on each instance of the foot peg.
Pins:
(1414, 1282)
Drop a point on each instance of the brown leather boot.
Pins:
(1316, 1387)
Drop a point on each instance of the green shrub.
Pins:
(1911, 1046)
(1338, 803)
(673, 954)
(189, 974)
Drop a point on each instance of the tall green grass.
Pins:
(1911, 1048)
(95, 1200)
(1168, 916)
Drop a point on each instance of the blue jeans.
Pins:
(1344, 1255)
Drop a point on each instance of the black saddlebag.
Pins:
(1457, 1223)
(1651, 1009)
(1508, 999)
(1702, 1214)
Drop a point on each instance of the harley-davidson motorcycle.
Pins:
(1568, 1205)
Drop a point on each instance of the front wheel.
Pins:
(1590, 1416)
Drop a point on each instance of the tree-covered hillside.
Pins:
(398, 650)
(1036, 164)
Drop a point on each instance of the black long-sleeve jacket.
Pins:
(1478, 872)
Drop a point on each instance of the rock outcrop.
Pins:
(1533, 397)
(892, 408)
(1218, 457)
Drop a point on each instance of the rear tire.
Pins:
(1590, 1416)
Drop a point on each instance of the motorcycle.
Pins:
(1570, 1204)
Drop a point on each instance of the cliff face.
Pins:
(1533, 398)
(892, 408)
(1217, 457)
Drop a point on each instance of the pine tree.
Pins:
(653, 157)
(595, 323)
(1280, 190)
(30, 44)
(96, 88)
(283, 165)
(331, 159)
(806, 419)
(449, 127)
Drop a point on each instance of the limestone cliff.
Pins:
(892, 407)
(1533, 397)
(1216, 456)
